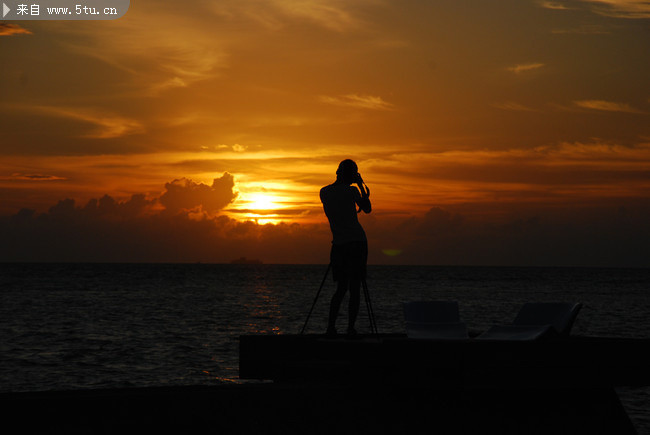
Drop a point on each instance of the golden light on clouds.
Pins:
(608, 106)
(517, 69)
(634, 9)
(358, 101)
(13, 29)
(555, 5)
(102, 125)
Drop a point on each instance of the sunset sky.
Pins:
(506, 132)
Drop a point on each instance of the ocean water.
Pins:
(81, 326)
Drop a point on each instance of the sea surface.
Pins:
(83, 326)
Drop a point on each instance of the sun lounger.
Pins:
(434, 320)
(537, 320)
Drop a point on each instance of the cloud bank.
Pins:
(184, 224)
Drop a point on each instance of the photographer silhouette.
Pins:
(349, 253)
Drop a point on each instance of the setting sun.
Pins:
(261, 201)
(259, 206)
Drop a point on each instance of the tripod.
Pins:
(366, 293)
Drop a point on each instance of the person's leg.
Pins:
(353, 308)
(335, 304)
(357, 260)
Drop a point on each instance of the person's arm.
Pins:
(364, 200)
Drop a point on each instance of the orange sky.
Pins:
(485, 113)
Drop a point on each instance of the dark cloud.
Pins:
(184, 194)
(33, 177)
(109, 231)
(608, 236)
(173, 228)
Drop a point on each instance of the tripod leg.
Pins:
(316, 298)
(371, 314)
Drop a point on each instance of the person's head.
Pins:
(347, 171)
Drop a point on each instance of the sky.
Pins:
(508, 132)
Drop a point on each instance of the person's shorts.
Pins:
(349, 261)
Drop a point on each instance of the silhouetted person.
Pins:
(349, 253)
